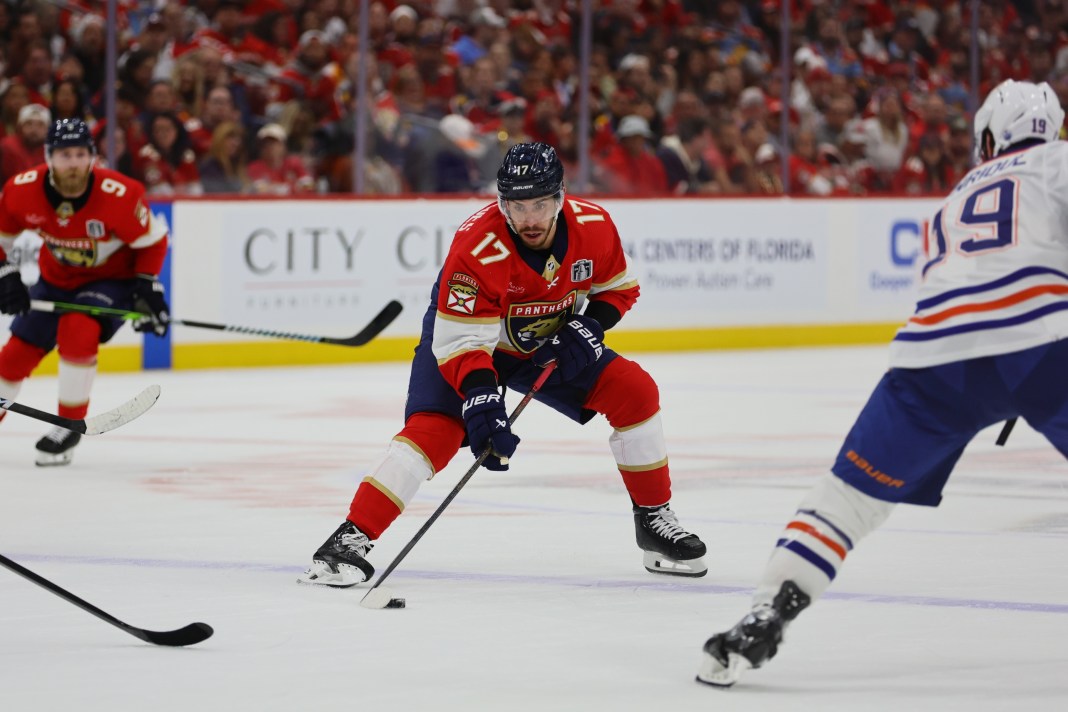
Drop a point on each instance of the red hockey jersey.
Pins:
(495, 293)
(107, 234)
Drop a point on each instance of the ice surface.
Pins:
(528, 593)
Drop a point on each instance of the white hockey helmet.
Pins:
(1014, 112)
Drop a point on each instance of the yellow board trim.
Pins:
(246, 354)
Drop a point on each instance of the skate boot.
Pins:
(57, 447)
(340, 561)
(753, 641)
(669, 549)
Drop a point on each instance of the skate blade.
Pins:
(48, 459)
(714, 673)
(660, 564)
(321, 574)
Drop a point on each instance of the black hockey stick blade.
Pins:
(133, 408)
(1006, 430)
(189, 635)
(384, 318)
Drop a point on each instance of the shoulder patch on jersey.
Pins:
(141, 213)
(462, 294)
(465, 278)
(581, 270)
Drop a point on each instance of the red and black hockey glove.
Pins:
(575, 346)
(14, 297)
(148, 297)
(487, 426)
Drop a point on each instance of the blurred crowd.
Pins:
(258, 96)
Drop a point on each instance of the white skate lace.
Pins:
(57, 435)
(356, 540)
(664, 523)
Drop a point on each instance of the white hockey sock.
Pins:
(400, 472)
(8, 389)
(640, 447)
(830, 521)
(75, 382)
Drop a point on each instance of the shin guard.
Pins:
(425, 445)
(78, 340)
(628, 397)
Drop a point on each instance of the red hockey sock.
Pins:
(434, 438)
(18, 359)
(78, 339)
(628, 397)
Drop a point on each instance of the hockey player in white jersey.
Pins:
(988, 342)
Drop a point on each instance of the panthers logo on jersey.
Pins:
(73, 253)
(530, 323)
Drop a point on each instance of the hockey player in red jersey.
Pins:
(528, 280)
(101, 248)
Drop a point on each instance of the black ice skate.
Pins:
(57, 447)
(340, 561)
(669, 549)
(752, 642)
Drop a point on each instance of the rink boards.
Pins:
(714, 273)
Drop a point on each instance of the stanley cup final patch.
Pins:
(463, 291)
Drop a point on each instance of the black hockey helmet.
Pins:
(65, 133)
(530, 170)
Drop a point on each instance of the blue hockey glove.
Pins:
(14, 297)
(148, 297)
(574, 347)
(487, 426)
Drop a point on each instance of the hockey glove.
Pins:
(148, 297)
(14, 297)
(575, 346)
(487, 426)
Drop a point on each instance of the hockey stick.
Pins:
(133, 408)
(373, 329)
(189, 635)
(1006, 429)
(379, 598)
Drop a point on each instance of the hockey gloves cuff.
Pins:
(148, 297)
(575, 346)
(487, 426)
(14, 297)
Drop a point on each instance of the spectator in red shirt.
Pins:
(632, 168)
(167, 161)
(927, 172)
(37, 73)
(276, 172)
(13, 96)
(24, 149)
(307, 79)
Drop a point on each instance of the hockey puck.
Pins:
(396, 603)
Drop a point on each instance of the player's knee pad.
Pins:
(436, 437)
(78, 338)
(18, 358)
(846, 508)
(625, 394)
(399, 473)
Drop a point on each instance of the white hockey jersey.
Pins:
(996, 275)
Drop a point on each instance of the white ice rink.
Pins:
(528, 593)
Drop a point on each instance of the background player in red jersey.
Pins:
(101, 248)
(532, 279)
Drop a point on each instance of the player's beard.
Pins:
(71, 183)
(537, 236)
